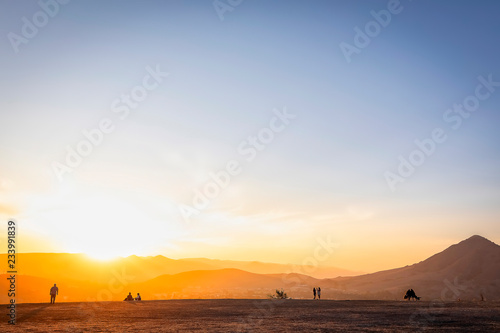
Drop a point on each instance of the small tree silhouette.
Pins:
(280, 294)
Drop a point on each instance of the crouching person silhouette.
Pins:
(53, 292)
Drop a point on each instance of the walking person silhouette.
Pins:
(53, 292)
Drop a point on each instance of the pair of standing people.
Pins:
(317, 292)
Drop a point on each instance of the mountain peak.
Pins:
(476, 240)
(469, 252)
(476, 237)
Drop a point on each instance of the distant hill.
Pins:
(81, 278)
(80, 267)
(465, 270)
(319, 272)
(225, 283)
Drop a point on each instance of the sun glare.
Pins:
(101, 256)
(106, 225)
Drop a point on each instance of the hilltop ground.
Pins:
(256, 315)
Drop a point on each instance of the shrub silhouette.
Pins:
(280, 294)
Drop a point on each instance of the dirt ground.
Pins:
(255, 316)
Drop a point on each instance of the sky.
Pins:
(250, 130)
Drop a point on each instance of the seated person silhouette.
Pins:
(138, 298)
(410, 294)
(129, 297)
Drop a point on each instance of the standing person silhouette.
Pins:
(319, 293)
(53, 292)
(314, 293)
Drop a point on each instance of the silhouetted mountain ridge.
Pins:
(472, 265)
(468, 270)
(473, 256)
(76, 266)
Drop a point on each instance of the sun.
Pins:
(107, 253)
(106, 248)
(101, 256)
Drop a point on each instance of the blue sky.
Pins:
(322, 175)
